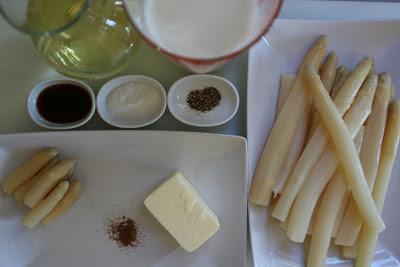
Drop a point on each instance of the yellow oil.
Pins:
(87, 39)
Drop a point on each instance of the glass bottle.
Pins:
(88, 39)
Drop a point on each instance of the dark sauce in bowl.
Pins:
(64, 103)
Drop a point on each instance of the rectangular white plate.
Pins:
(281, 51)
(118, 169)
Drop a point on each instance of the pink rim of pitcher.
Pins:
(199, 61)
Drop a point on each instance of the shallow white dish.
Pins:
(281, 51)
(118, 169)
(37, 118)
(221, 114)
(114, 83)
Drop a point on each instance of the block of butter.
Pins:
(181, 210)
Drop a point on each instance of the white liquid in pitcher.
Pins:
(200, 28)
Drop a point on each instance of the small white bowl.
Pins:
(221, 114)
(35, 115)
(114, 83)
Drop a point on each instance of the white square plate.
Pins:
(281, 51)
(118, 169)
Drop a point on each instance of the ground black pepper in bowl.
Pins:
(204, 100)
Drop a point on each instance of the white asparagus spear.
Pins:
(369, 157)
(318, 141)
(328, 75)
(368, 234)
(340, 70)
(65, 203)
(279, 140)
(313, 187)
(329, 208)
(292, 156)
(287, 80)
(27, 170)
(350, 252)
(19, 194)
(295, 149)
(284, 224)
(346, 151)
(47, 181)
(342, 73)
(39, 211)
(341, 211)
(297, 142)
(328, 71)
(323, 228)
(313, 217)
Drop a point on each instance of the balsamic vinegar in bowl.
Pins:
(64, 103)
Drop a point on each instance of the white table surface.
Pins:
(21, 68)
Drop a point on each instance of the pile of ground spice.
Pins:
(124, 231)
(204, 100)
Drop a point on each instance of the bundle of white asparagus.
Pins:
(328, 159)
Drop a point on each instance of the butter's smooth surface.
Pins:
(182, 211)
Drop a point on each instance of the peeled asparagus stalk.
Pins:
(346, 151)
(350, 252)
(328, 71)
(306, 200)
(342, 73)
(47, 181)
(328, 75)
(313, 217)
(341, 211)
(328, 210)
(28, 169)
(39, 211)
(295, 149)
(311, 190)
(339, 72)
(65, 203)
(286, 84)
(368, 234)
(323, 227)
(369, 157)
(319, 140)
(297, 142)
(279, 140)
(285, 224)
(19, 194)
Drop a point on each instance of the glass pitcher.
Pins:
(88, 39)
